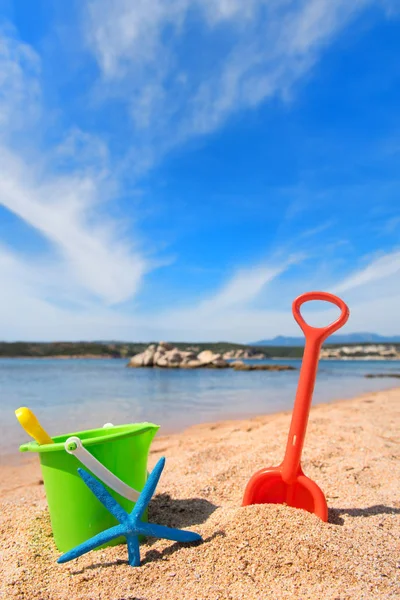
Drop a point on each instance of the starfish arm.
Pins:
(133, 550)
(167, 533)
(148, 490)
(104, 496)
(94, 542)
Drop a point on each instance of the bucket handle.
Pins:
(73, 445)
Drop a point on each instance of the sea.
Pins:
(76, 394)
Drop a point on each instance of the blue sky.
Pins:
(184, 169)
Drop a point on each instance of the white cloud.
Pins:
(62, 210)
(308, 233)
(82, 151)
(60, 192)
(245, 286)
(27, 310)
(19, 83)
(242, 288)
(379, 269)
(228, 313)
(265, 47)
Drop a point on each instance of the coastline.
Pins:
(266, 358)
(9, 461)
(352, 451)
(63, 357)
(343, 358)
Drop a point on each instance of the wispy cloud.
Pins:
(313, 231)
(229, 312)
(265, 48)
(19, 82)
(39, 303)
(62, 210)
(391, 7)
(60, 192)
(241, 54)
(391, 225)
(245, 286)
(380, 268)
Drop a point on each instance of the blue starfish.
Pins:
(131, 525)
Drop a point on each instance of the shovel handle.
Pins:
(319, 334)
(315, 336)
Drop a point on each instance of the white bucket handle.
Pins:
(73, 445)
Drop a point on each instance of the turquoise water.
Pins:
(68, 395)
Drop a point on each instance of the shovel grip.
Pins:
(319, 334)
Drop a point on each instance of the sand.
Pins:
(352, 451)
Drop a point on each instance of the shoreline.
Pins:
(343, 359)
(352, 451)
(20, 460)
(267, 358)
(63, 357)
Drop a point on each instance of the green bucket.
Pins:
(75, 513)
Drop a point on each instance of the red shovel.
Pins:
(287, 483)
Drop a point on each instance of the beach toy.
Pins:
(32, 426)
(287, 483)
(130, 525)
(115, 454)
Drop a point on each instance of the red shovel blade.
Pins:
(268, 487)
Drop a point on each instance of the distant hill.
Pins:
(281, 347)
(350, 338)
(103, 349)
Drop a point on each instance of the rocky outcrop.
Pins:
(144, 359)
(365, 352)
(192, 364)
(164, 355)
(211, 359)
(243, 353)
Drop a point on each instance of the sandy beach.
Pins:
(352, 451)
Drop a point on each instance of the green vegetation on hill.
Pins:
(105, 349)
(281, 351)
(126, 350)
(221, 347)
(363, 344)
(65, 349)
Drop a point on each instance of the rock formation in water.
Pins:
(243, 353)
(165, 355)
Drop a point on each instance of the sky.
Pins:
(182, 170)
